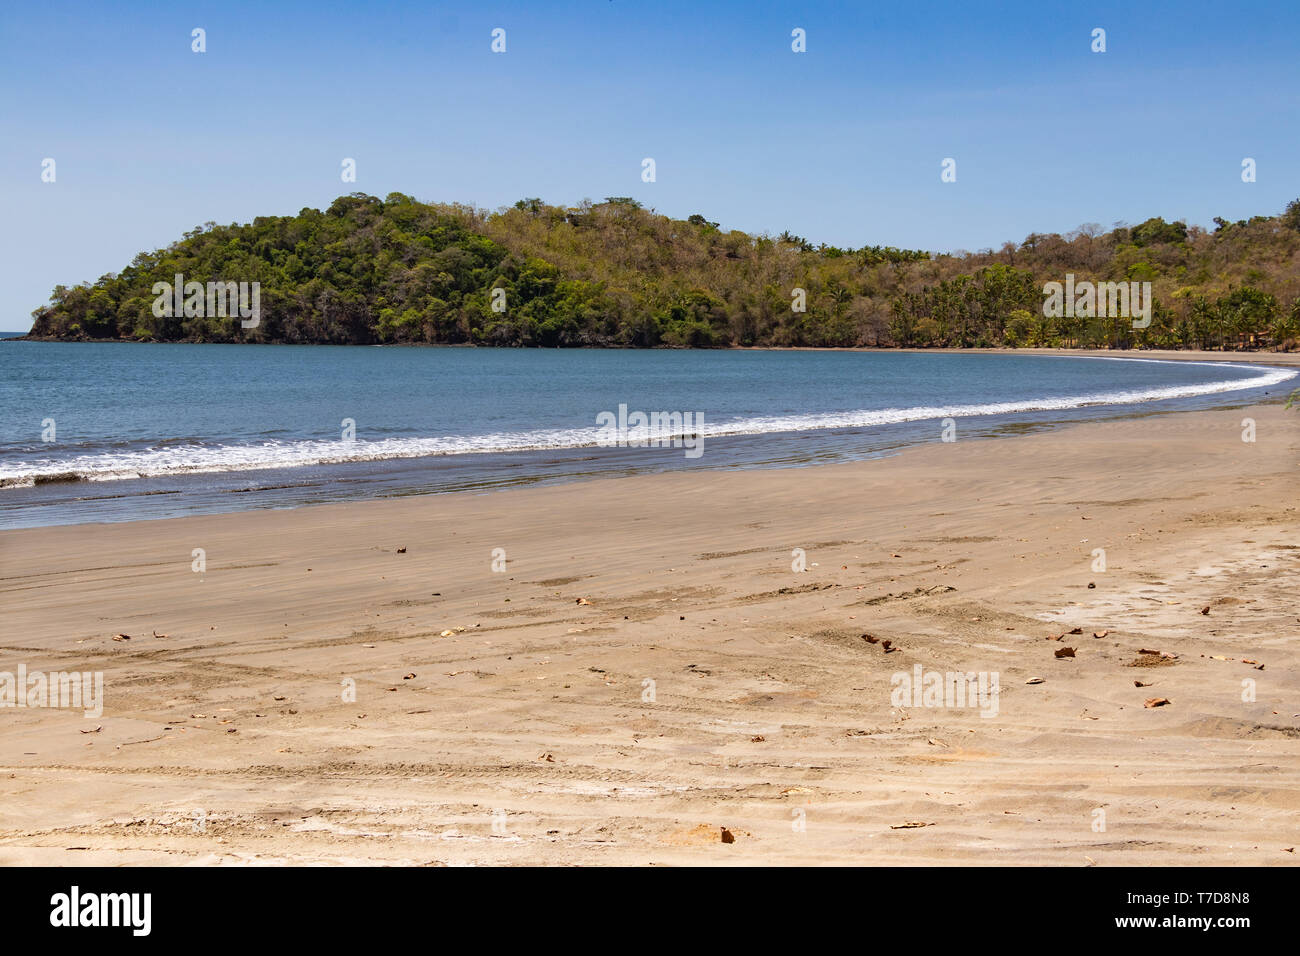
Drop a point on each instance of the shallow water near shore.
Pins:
(155, 431)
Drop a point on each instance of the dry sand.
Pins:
(526, 736)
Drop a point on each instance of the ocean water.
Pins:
(152, 431)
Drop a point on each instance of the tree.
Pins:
(1291, 218)
(1246, 312)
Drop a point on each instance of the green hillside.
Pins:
(614, 274)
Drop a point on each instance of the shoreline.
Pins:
(1274, 356)
(208, 499)
(766, 702)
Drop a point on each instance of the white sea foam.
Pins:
(198, 458)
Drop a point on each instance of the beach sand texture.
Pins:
(503, 717)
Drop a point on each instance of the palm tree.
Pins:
(1202, 320)
(1215, 317)
(1286, 325)
(841, 297)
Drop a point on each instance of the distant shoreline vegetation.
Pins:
(613, 274)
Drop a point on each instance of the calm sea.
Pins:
(115, 432)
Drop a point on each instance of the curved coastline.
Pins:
(175, 457)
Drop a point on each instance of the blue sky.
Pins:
(841, 144)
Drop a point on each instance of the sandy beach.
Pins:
(650, 679)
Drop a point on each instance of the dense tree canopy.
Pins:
(369, 271)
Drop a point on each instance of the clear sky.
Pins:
(842, 144)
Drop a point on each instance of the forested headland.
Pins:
(614, 274)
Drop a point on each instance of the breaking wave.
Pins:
(178, 457)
